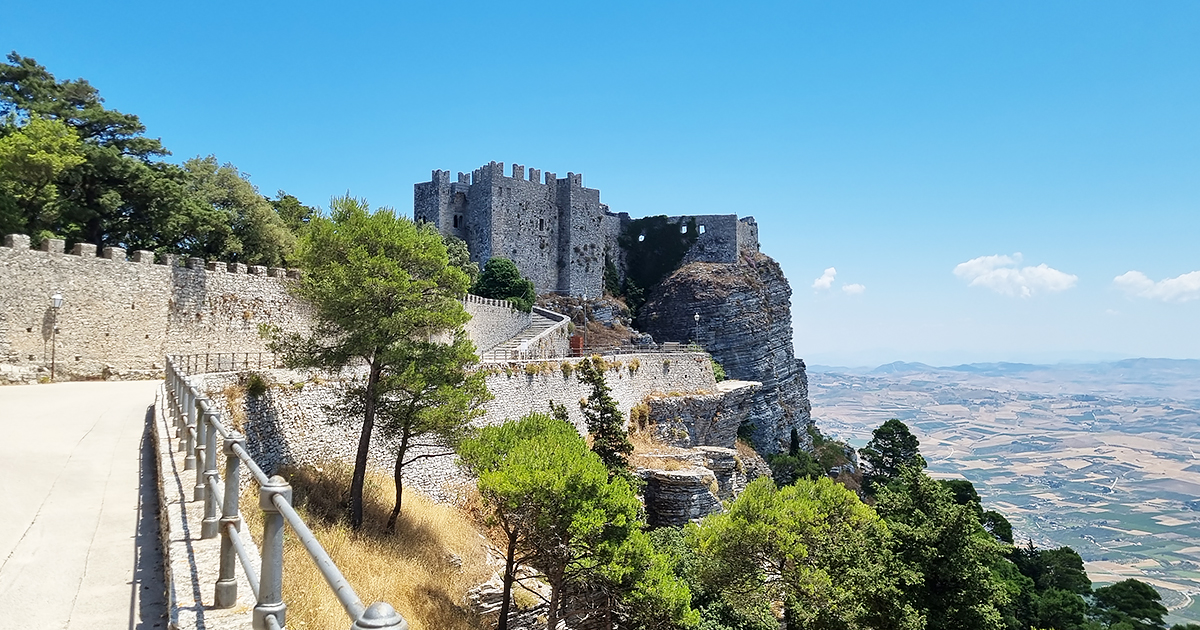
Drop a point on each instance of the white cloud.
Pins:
(1004, 275)
(826, 279)
(1178, 289)
(853, 289)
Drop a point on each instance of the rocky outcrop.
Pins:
(674, 497)
(745, 322)
(703, 419)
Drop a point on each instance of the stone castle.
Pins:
(556, 231)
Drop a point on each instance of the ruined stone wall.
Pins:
(121, 315)
(747, 236)
(717, 241)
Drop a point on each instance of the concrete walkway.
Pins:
(79, 536)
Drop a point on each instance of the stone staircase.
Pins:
(537, 325)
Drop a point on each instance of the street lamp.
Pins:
(56, 301)
(696, 333)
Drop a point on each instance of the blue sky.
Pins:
(893, 142)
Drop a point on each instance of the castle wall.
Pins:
(122, 315)
(289, 425)
(584, 256)
(492, 321)
(555, 230)
(524, 225)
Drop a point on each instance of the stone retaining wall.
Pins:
(290, 424)
(492, 321)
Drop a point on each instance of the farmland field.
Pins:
(1104, 458)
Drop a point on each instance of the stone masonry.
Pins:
(555, 230)
(124, 314)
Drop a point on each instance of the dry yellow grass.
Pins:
(415, 568)
(648, 452)
(235, 400)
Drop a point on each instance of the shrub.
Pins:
(256, 385)
(718, 370)
(634, 366)
(639, 416)
(566, 368)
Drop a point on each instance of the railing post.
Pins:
(270, 584)
(208, 527)
(380, 616)
(226, 592)
(201, 443)
(189, 453)
(185, 412)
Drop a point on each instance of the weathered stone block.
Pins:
(143, 256)
(53, 245)
(277, 272)
(16, 241)
(674, 497)
(195, 263)
(237, 268)
(258, 270)
(86, 250)
(217, 266)
(114, 253)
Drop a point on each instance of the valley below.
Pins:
(1102, 457)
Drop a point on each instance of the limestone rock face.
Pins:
(703, 419)
(745, 322)
(674, 497)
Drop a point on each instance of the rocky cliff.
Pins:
(745, 322)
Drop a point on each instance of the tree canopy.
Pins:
(71, 168)
(501, 280)
(892, 448)
(381, 287)
(561, 513)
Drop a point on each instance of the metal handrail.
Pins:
(198, 424)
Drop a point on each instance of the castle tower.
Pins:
(550, 228)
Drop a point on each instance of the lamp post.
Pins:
(56, 301)
(585, 321)
(696, 333)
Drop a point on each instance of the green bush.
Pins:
(501, 280)
(718, 370)
(256, 385)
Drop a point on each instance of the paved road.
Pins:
(78, 507)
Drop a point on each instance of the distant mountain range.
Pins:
(1175, 368)
(1170, 378)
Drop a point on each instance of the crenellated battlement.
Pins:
(123, 311)
(20, 243)
(555, 230)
